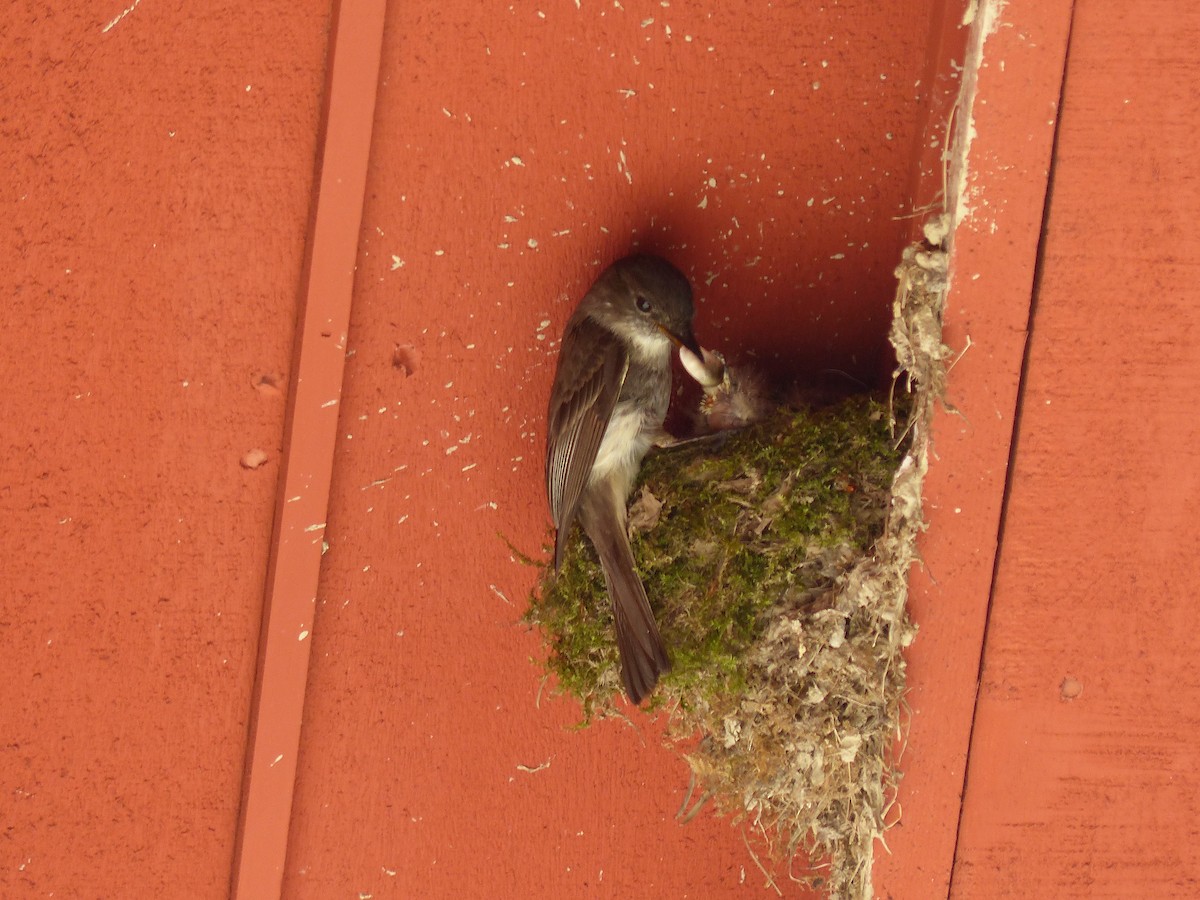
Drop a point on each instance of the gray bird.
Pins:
(607, 406)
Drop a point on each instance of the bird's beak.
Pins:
(687, 339)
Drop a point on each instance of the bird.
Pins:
(611, 390)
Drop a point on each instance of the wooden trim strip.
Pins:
(310, 433)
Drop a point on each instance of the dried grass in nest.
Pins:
(777, 564)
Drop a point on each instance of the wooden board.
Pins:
(1083, 770)
(158, 164)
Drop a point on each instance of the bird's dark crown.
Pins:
(656, 281)
(643, 298)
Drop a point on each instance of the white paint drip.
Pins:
(121, 15)
(984, 16)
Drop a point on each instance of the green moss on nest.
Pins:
(747, 521)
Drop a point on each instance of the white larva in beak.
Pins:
(708, 371)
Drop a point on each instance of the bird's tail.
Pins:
(643, 656)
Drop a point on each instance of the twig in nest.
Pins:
(754, 856)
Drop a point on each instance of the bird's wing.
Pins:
(592, 365)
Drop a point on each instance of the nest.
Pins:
(776, 562)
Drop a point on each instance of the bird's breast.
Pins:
(629, 435)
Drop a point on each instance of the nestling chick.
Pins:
(733, 396)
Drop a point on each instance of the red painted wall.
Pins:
(769, 152)
(1083, 768)
(154, 236)
(158, 168)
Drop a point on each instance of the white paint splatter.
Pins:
(121, 15)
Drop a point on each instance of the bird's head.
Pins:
(646, 299)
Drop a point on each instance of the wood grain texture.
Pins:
(1083, 775)
(158, 166)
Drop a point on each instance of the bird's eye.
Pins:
(642, 303)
